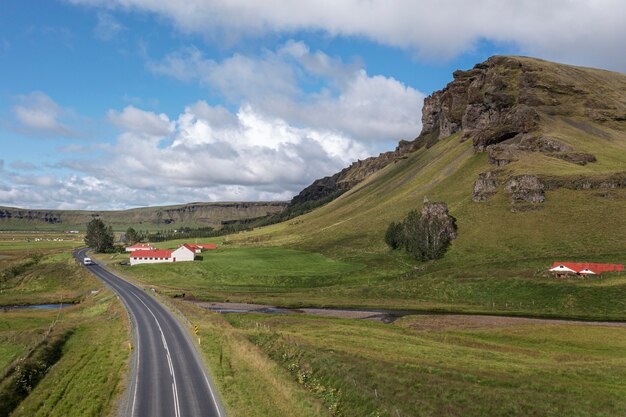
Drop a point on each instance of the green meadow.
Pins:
(428, 365)
(421, 367)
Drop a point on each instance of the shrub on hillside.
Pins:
(425, 235)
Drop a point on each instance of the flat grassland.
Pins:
(58, 362)
(429, 366)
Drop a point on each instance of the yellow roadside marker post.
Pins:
(196, 330)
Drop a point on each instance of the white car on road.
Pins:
(88, 261)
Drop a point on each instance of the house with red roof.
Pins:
(139, 246)
(206, 246)
(199, 247)
(184, 253)
(583, 269)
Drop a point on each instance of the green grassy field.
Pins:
(87, 374)
(421, 366)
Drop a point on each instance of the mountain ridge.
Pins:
(165, 217)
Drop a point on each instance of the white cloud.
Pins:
(211, 155)
(107, 27)
(350, 101)
(22, 166)
(38, 115)
(578, 31)
(136, 120)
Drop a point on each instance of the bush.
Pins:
(394, 237)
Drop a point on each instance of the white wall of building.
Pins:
(148, 260)
(129, 249)
(183, 254)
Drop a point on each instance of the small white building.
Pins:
(182, 254)
(139, 246)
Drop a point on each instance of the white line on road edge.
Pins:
(169, 359)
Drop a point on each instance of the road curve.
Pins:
(169, 378)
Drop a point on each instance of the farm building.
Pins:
(206, 246)
(139, 246)
(182, 254)
(199, 247)
(562, 269)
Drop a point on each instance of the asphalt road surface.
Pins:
(168, 378)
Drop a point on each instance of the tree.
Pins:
(394, 236)
(412, 234)
(99, 237)
(132, 236)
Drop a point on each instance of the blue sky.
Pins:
(125, 103)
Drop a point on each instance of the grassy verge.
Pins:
(249, 382)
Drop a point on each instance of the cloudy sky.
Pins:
(108, 104)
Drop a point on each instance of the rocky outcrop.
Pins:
(485, 186)
(525, 188)
(482, 104)
(436, 218)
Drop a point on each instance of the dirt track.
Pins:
(418, 321)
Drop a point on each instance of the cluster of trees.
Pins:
(421, 235)
(184, 233)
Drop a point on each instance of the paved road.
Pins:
(169, 378)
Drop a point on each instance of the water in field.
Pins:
(37, 306)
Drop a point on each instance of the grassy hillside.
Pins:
(147, 219)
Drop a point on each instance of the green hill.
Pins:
(147, 218)
(578, 110)
(530, 157)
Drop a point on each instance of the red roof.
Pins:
(597, 268)
(206, 245)
(162, 253)
(189, 246)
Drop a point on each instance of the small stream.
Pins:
(37, 306)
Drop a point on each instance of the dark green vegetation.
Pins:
(192, 215)
(426, 235)
(68, 362)
(131, 236)
(99, 236)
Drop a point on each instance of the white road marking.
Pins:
(169, 359)
(174, 385)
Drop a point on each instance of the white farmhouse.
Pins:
(182, 254)
(139, 246)
(150, 257)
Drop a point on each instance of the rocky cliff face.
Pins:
(193, 214)
(501, 105)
